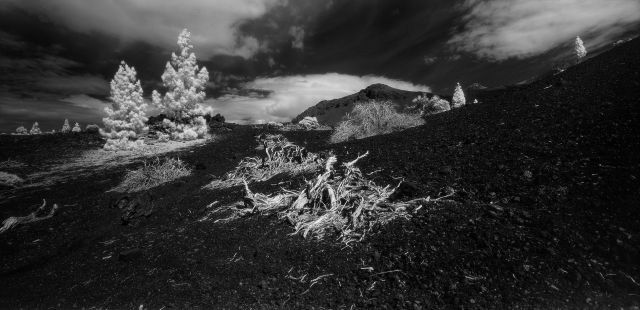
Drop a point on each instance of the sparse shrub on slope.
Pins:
(373, 118)
(76, 128)
(92, 128)
(126, 118)
(22, 131)
(432, 105)
(152, 174)
(35, 129)
(9, 179)
(65, 127)
(185, 84)
(281, 156)
(458, 99)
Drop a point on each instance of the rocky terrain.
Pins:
(544, 215)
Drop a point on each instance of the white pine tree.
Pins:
(579, 49)
(76, 128)
(35, 129)
(126, 118)
(65, 127)
(458, 99)
(185, 84)
(22, 131)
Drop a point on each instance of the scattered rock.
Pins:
(405, 190)
(134, 209)
(445, 170)
(130, 255)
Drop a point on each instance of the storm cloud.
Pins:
(213, 23)
(502, 29)
(288, 96)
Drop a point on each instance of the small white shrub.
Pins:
(22, 131)
(65, 127)
(123, 144)
(432, 105)
(185, 83)
(152, 174)
(309, 122)
(9, 179)
(458, 99)
(76, 128)
(35, 129)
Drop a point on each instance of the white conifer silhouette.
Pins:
(579, 49)
(185, 84)
(126, 118)
(65, 127)
(35, 129)
(458, 99)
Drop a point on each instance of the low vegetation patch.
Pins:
(374, 118)
(343, 203)
(280, 156)
(152, 174)
(9, 179)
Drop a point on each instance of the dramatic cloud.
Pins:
(501, 29)
(291, 95)
(49, 113)
(213, 24)
(67, 85)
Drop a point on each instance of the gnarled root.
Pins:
(33, 217)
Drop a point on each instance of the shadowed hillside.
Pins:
(545, 183)
(331, 112)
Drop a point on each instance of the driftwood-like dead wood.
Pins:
(339, 201)
(14, 221)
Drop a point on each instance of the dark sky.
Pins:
(57, 57)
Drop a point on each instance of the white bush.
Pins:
(35, 129)
(309, 122)
(65, 127)
(458, 99)
(126, 117)
(76, 128)
(22, 131)
(373, 118)
(123, 144)
(579, 49)
(185, 84)
(431, 105)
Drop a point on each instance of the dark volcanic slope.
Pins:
(545, 216)
(331, 112)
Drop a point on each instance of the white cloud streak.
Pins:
(213, 23)
(291, 95)
(502, 29)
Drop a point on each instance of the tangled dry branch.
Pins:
(14, 221)
(342, 202)
(280, 156)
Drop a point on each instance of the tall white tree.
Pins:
(65, 127)
(579, 49)
(185, 83)
(35, 129)
(126, 118)
(458, 99)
